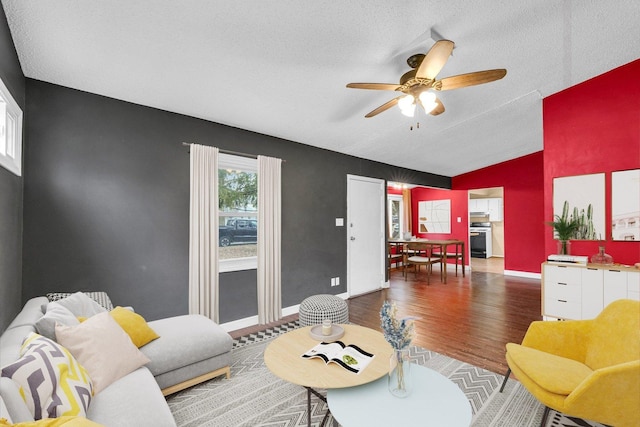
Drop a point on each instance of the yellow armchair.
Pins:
(584, 368)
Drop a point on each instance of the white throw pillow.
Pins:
(46, 325)
(81, 305)
(103, 348)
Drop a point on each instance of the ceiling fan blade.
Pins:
(384, 107)
(439, 108)
(374, 86)
(435, 59)
(470, 79)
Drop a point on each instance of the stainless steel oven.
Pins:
(480, 239)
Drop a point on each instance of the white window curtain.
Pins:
(269, 240)
(203, 232)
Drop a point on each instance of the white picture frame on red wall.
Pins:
(625, 205)
(434, 216)
(585, 197)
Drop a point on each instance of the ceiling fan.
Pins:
(418, 84)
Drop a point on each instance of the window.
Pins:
(238, 213)
(395, 216)
(10, 132)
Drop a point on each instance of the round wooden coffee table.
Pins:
(283, 358)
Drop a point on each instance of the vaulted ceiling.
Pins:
(280, 68)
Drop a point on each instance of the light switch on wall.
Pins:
(459, 219)
(339, 222)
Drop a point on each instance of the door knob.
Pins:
(353, 238)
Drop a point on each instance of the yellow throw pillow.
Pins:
(53, 422)
(134, 325)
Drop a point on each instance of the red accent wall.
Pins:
(593, 127)
(459, 207)
(523, 198)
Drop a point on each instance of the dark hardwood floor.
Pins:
(470, 319)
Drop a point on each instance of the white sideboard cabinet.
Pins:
(581, 292)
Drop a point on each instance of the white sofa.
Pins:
(191, 349)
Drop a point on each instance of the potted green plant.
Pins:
(565, 227)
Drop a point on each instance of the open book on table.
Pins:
(350, 357)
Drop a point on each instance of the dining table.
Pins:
(441, 245)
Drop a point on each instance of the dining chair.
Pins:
(422, 255)
(394, 255)
(457, 255)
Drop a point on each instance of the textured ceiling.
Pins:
(280, 68)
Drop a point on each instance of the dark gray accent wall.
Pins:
(106, 204)
(10, 191)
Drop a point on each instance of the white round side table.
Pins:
(434, 400)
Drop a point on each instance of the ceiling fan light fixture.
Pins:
(409, 111)
(428, 101)
(407, 105)
(405, 101)
(427, 97)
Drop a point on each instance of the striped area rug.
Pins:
(255, 397)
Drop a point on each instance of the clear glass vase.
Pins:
(400, 373)
(564, 247)
(601, 257)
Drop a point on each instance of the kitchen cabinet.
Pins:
(479, 205)
(581, 292)
(489, 206)
(495, 209)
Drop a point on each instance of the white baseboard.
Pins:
(240, 323)
(253, 320)
(525, 274)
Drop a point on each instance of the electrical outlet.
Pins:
(333, 281)
(337, 281)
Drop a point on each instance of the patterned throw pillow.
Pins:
(51, 381)
(100, 297)
(53, 422)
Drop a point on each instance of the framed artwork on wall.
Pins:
(625, 205)
(434, 216)
(582, 197)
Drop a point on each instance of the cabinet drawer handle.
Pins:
(562, 284)
(562, 300)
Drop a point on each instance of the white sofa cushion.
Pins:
(15, 409)
(132, 401)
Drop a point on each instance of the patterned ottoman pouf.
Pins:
(316, 308)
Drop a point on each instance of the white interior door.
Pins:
(365, 234)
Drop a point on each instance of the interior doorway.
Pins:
(486, 229)
(366, 247)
